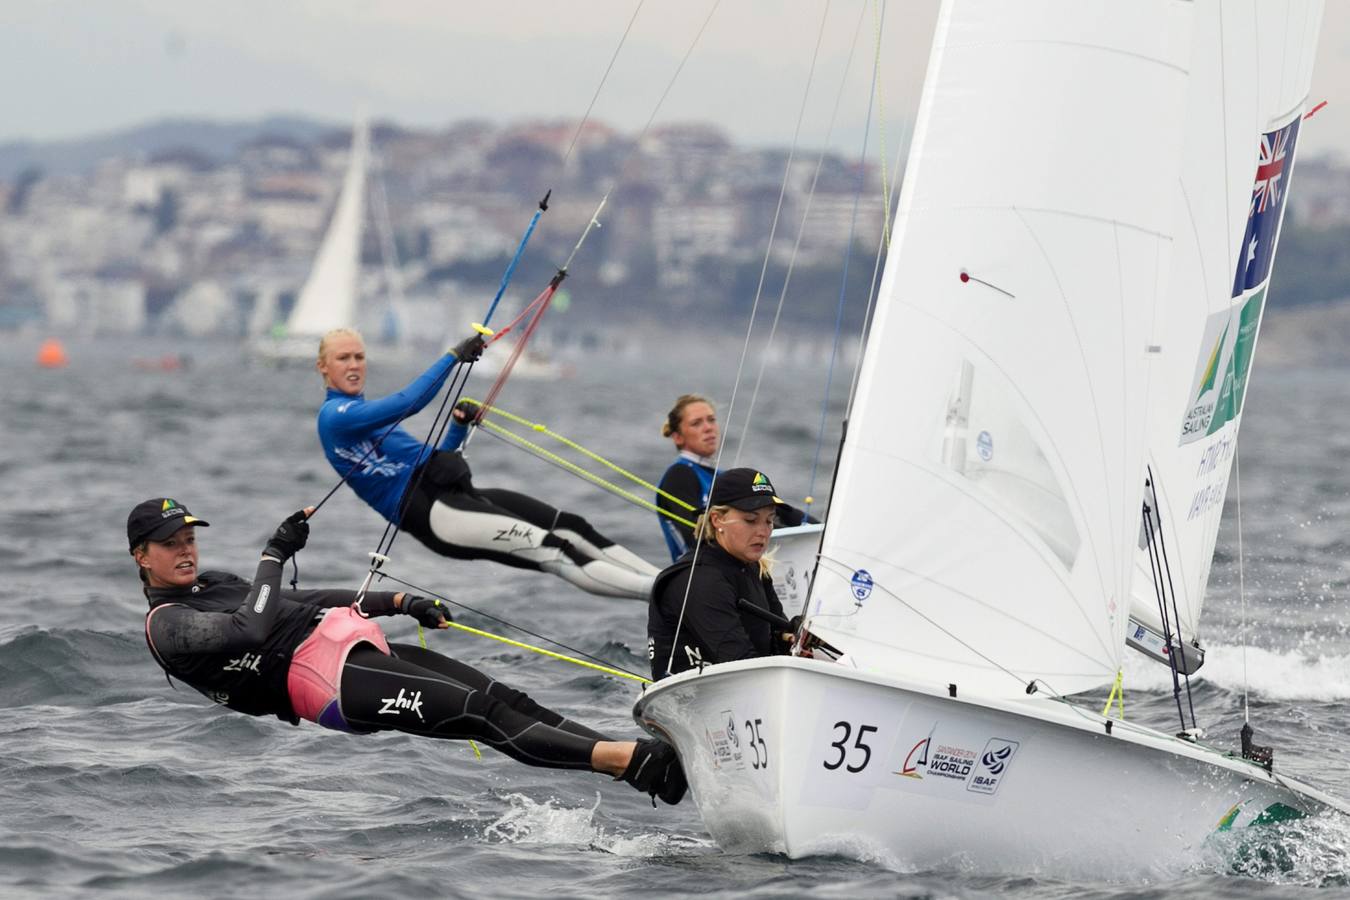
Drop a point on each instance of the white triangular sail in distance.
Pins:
(328, 299)
(1251, 68)
(983, 522)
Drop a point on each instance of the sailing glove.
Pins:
(469, 349)
(466, 411)
(429, 613)
(289, 537)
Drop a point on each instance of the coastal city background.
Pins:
(196, 228)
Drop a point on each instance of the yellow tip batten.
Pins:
(483, 329)
(810, 500)
(540, 427)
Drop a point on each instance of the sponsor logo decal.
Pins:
(918, 757)
(984, 446)
(263, 593)
(249, 662)
(993, 765)
(370, 462)
(861, 583)
(760, 483)
(725, 742)
(1230, 335)
(514, 532)
(409, 700)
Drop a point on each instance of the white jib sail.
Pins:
(328, 299)
(983, 522)
(1251, 67)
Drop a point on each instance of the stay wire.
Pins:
(801, 230)
(843, 290)
(745, 346)
(576, 135)
(881, 254)
(768, 248)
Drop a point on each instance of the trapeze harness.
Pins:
(690, 479)
(310, 655)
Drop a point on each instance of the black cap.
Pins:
(745, 489)
(157, 519)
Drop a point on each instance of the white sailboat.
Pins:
(328, 298)
(978, 562)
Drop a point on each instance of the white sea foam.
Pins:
(1272, 674)
(532, 822)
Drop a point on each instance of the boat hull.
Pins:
(801, 757)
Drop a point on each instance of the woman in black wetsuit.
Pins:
(695, 617)
(317, 655)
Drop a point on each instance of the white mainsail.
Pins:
(328, 299)
(1252, 66)
(984, 520)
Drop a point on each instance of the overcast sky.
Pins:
(72, 68)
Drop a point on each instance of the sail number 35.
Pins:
(846, 752)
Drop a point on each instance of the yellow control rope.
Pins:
(1116, 696)
(575, 469)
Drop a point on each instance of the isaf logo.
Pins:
(995, 761)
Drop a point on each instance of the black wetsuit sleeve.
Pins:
(376, 603)
(712, 615)
(180, 630)
(790, 516)
(681, 482)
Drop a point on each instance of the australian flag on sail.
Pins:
(1273, 168)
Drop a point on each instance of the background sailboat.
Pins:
(328, 299)
(979, 557)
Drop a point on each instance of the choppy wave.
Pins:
(1267, 674)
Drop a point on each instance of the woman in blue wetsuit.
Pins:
(692, 427)
(317, 655)
(443, 508)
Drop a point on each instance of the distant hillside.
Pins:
(216, 140)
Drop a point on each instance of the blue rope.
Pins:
(843, 285)
(511, 268)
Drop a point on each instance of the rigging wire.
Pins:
(879, 20)
(576, 135)
(745, 346)
(1159, 590)
(1176, 610)
(801, 230)
(882, 252)
(843, 288)
(768, 248)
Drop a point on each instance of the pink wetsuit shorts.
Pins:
(315, 676)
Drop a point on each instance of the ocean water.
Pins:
(113, 783)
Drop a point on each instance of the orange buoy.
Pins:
(51, 355)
